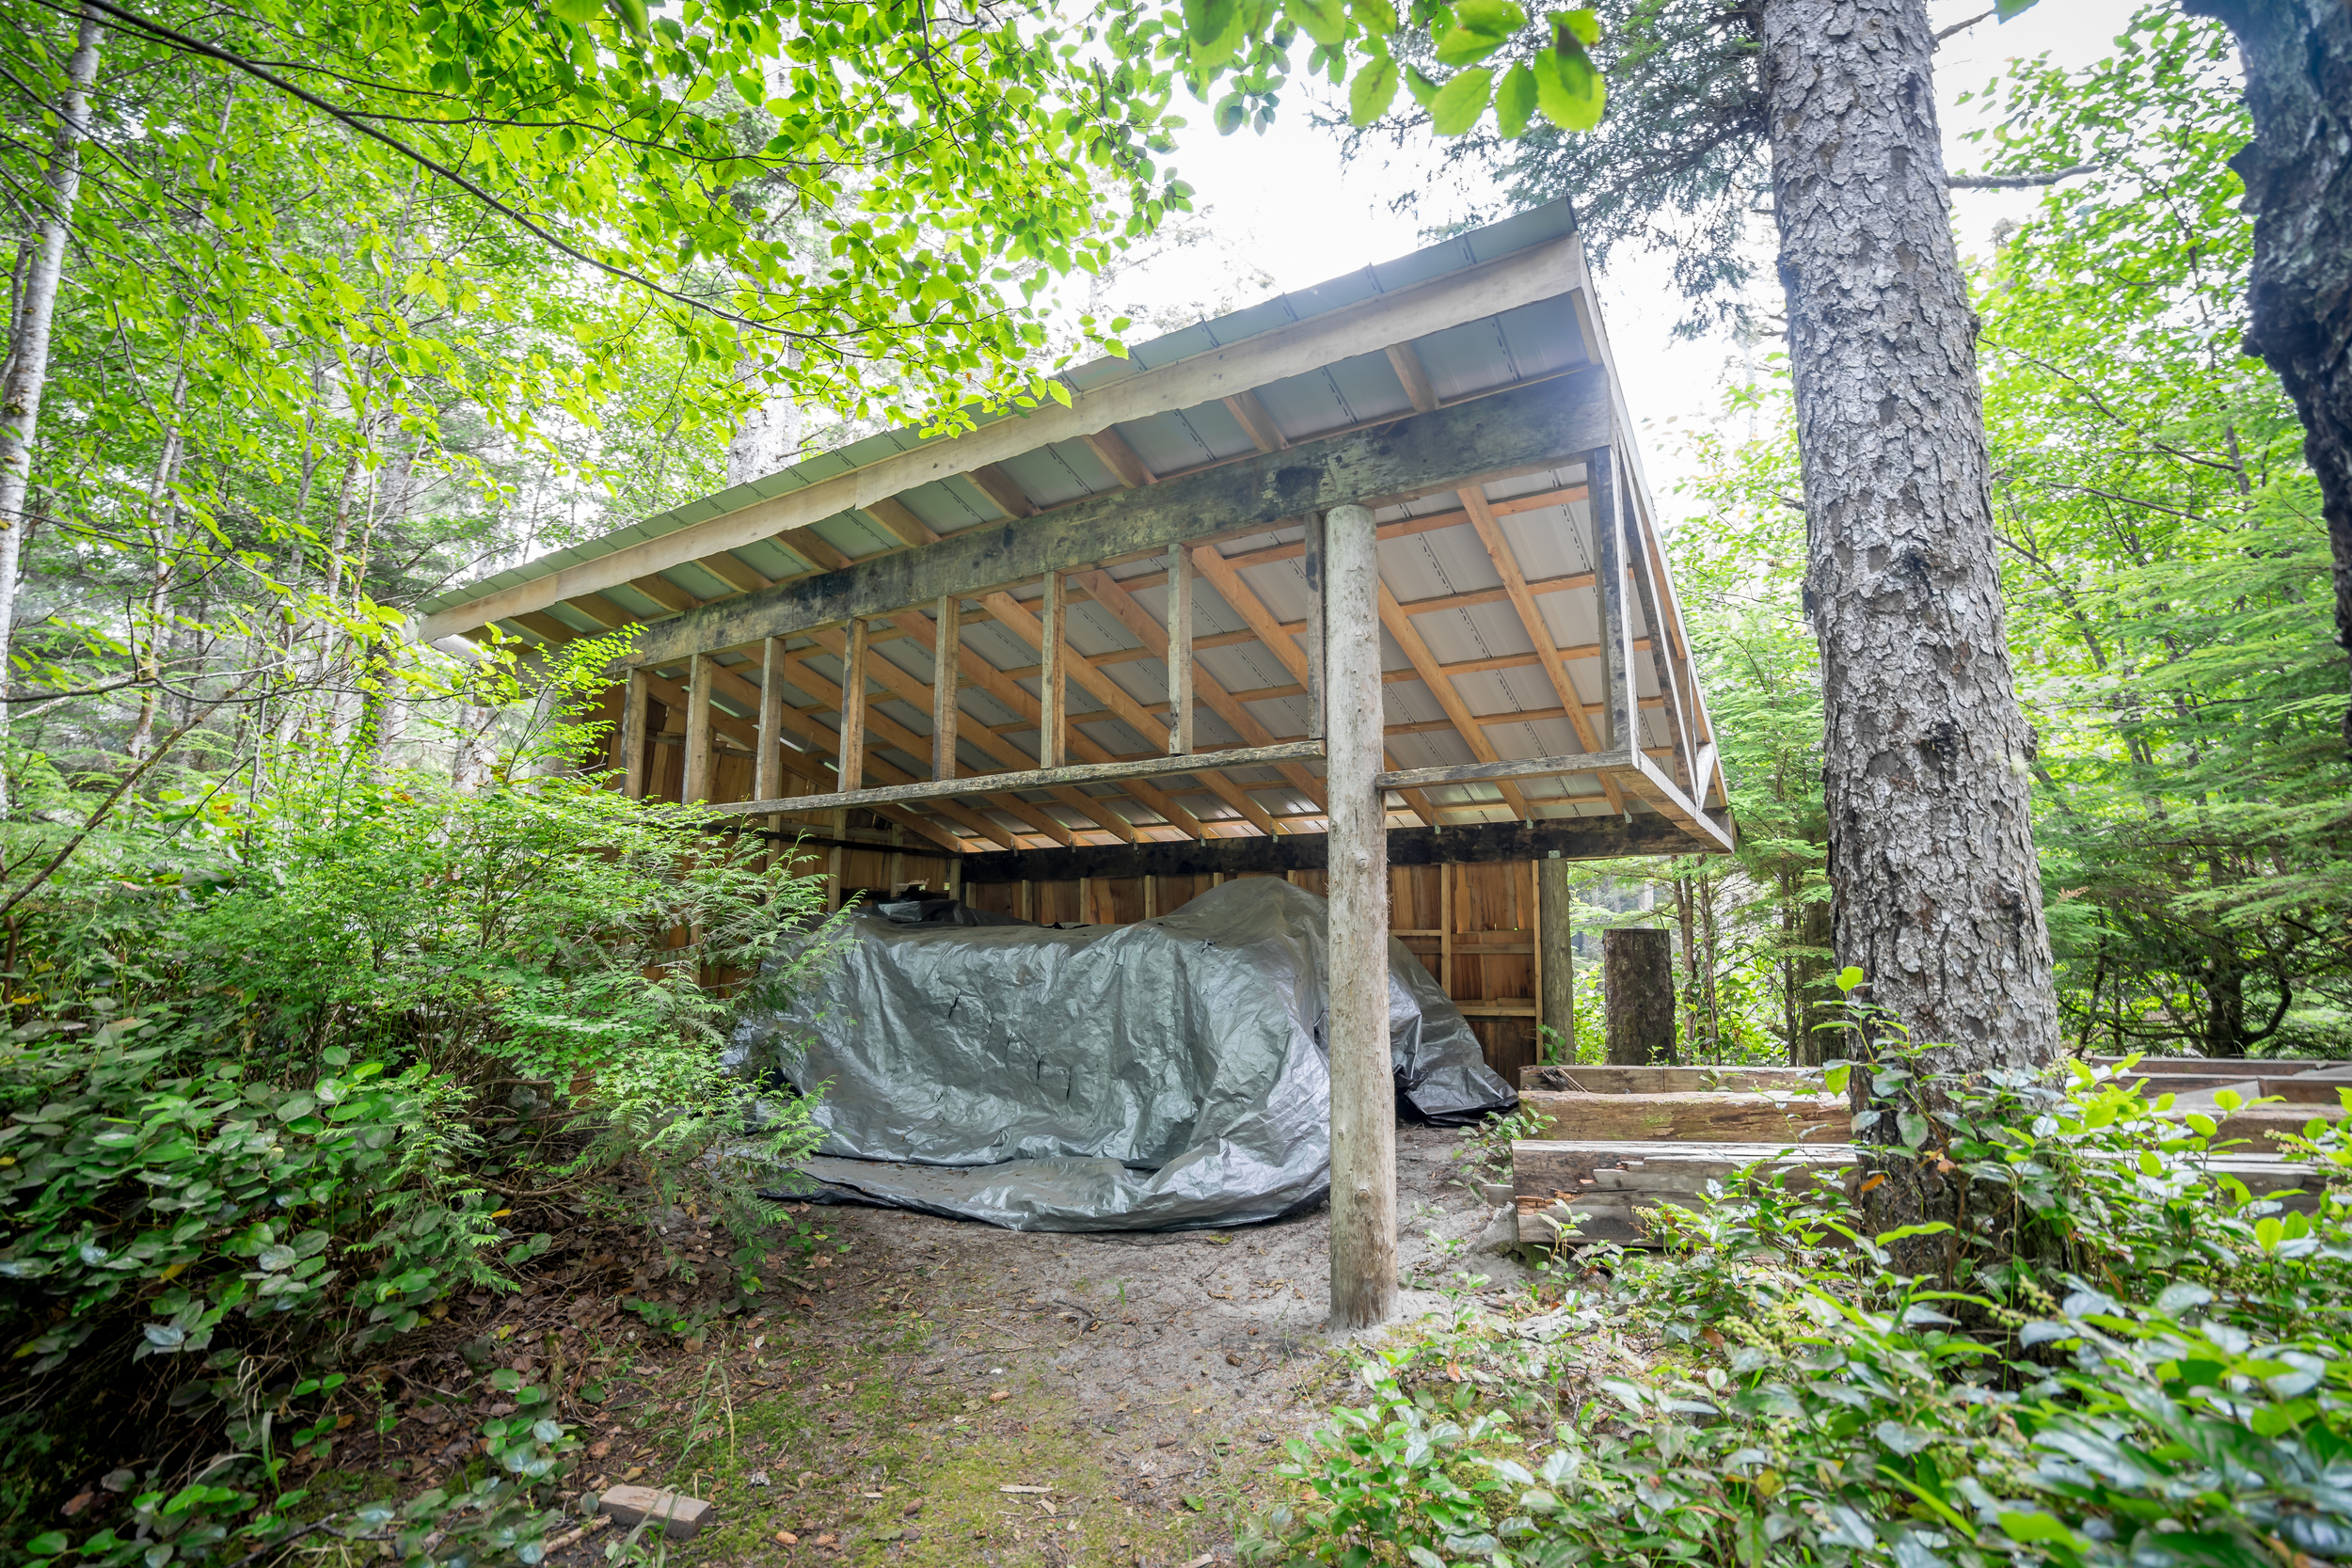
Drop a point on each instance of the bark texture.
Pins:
(1937, 891)
(28, 348)
(1637, 971)
(2297, 55)
(1555, 919)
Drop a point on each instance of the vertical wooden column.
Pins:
(1178, 651)
(697, 785)
(849, 771)
(1617, 632)
(1363, 1085)
(1052, 672)
(946, 640)
(1555, 936)
(636, 709)
(1310, 567)
(767, 782)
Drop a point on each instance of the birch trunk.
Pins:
(2298, 56)
(28, 367)
(1938, 894)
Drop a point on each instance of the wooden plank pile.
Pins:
(1624, 1139)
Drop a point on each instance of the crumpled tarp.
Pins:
(1166, 1074)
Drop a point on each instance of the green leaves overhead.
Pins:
(1243, 46)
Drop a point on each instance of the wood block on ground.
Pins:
(1670, 1080)
(2243, 1065)
(1700, 1117)
(683, 1515)
(1606, 1184)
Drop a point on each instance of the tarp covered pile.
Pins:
(1165, 1074)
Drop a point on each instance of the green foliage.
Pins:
(284, 1074)
(1767, 1390)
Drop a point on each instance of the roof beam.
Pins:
(1256, 423)
(1119, 458)
(1525, 430)
(1003, 489)
(1409, 369)
(1545, 271)
(1408, 637)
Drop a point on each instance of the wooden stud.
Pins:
(1178, 651)
(1445, 929)
(635, 712)
(1310, 566)
(851, 772)
(696, 787)
(768, 767)
(1363, 1084)
(948, 640)
(1617, 633)
(1053, 679)
(1555, 938)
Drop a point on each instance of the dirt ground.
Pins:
(905, 1371)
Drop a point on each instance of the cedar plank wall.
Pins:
(1491, 906)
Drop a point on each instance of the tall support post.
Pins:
(1310, 567)
(1178, 651)
(1616, 627)
(1053, 673)
(638, 710)
(947, 641)
(768, 780)
(850, 774)
(696, 784)
(1555, 921)
(1363, 1084)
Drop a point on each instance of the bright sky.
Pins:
(1286, 203)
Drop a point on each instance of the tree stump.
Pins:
(1638, 985)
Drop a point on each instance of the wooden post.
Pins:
(695, 785)
(1051, 672)
(946, 640)
(1363, 1084)
(1617, 632)
(768, 781)
(1555, 936)
(1310, 566)
(634, 717)
(1638, 980)
(1178, 651)
(850, 772)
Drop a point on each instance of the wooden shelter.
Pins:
(1360, 585)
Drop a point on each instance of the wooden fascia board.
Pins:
(1524, 430)
(1540, 272)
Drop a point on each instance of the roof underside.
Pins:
(1496, 623)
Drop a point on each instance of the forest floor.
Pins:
(926, 1391)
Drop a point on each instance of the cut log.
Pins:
(1607, 1185)
(1671, 1080)
(2241, 1067)
(1693, 1117)
(1638, 987)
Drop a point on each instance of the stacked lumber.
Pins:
(1615, 1140)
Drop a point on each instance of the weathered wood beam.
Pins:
(734, 573)
(1656, 785)
(1256, 423)
(1523, 430)
(1053, 646)
(1432, 522)
(1409, 369)
(1617, 632)
(1235, 590)
(767, 767)
(634, 712)
(1111, 772)
(1119, 458)
(1003, 489)
(948, 636)
(1604, 763)
(1576, 838)
(1416, 651)
(695, 785)
(1178, 651)
(661, 591)
(1015, 618)
(851, 767)
(603, 611)
(1138, 622)
(1363, 1089)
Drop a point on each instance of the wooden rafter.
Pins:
(1408, 638)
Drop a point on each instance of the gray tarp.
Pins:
(1165, 1074)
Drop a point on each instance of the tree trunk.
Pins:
(28, 356)
(1555, 919)
(1638, 987)
(1937, 891)
(2297, 58)
(1807, 975)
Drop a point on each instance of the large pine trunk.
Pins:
(1937, 893)
(2298, 170)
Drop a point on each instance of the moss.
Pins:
(846, 1447)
